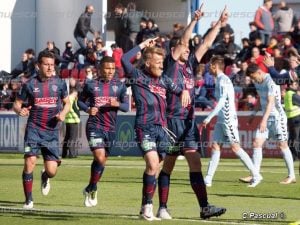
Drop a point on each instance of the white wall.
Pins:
(56, 20)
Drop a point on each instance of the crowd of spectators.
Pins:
(272, 33)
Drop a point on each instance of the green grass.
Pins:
(119, 194)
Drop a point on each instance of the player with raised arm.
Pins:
(149, 91)
(101, 98)
(180, 65)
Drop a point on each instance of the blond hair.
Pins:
(149, 52)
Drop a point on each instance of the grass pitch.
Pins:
(119, 194)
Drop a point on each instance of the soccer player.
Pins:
(226, 128)
(179, 66)
(101, 99)
(44, 95)
(149, 91)
(273, 123)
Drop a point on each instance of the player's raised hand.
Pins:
(92, 111)
(185, 98)
(148, 43)
(198, 13)
(269, 61)
(25, 111)
(224, 15)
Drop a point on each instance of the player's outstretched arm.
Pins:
(211, 36)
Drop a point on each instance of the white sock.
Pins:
(213, 164)
(246, 160)
(288, 158)
(257, 158)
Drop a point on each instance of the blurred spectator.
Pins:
(195, 42)
(283, 18)
(83, 26)
(258, 59)
(287, 45)
(4, 96)
(132, 22)
(99, 52)
(90, 73)
(143, 30)
(227, 47)
(68, 55)
(296, 35)
(260, 45)
(26, 66)
(117, 55)
(264, 21)
(152, 29)
(254, 33)
(245, 52)
(225, 28)
(178, 30)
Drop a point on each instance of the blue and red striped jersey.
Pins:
(182, 76)
(45, 98)
(149, 92)
(98, 93)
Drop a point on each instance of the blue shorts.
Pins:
(153, 138)
(47, 142)
(100, 139)
(187, 135)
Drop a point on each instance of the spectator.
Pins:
(254, 33)
(227, 47)
(99, 52)
(83, 26)
(178, 30)
(258, 59)
(117, 55)
(143, 30)
(152, 29)
(284, 18)
(195, 42)
(132, 22)
(245, 53)
(68, 55)
(26, 66)
(4, 96)
(264, 21)
(296, 35)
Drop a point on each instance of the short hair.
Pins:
(149, 52)
(106, 59)
(267, 1)
(252, 68)
(218, 60)
(30, 51)
(45, 54)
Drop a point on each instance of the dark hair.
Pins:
(131, 6)
(218, 60)
(45, 54)
(252, 68)
(106, 59)
(67, 43)
(30, 51)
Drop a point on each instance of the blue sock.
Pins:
(199, 188)
(149, 185)
(96, 173)
(27, 185)
(163, 188)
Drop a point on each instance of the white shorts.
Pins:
(226, 132)
(276, 129)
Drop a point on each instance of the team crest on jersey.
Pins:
(96, 89)
(54, 88)
(189, 83)
(188, 70)
(115, 88)
(36, 90)
(158, 90)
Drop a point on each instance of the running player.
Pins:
(226, 128)
(180, 66)
(273, 123)
(44, 94)
(149, 91)
(101, 99)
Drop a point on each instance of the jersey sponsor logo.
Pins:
(103, 100)
(115, 88)
(36, 90)
(189, 83)
(47, 102)
(158, 90)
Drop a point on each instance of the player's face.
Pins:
(185, 55)
(155, 65)
(47, 67)
(256, 77)
(108, 70)
(213, 69)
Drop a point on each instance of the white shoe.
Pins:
(28, 205)
(45, 186)
(147, 213)
(163, 214)
(255, 181)
(86, 195)
(207, 181)
(93, 198)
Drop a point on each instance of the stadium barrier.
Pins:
(12, 129)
